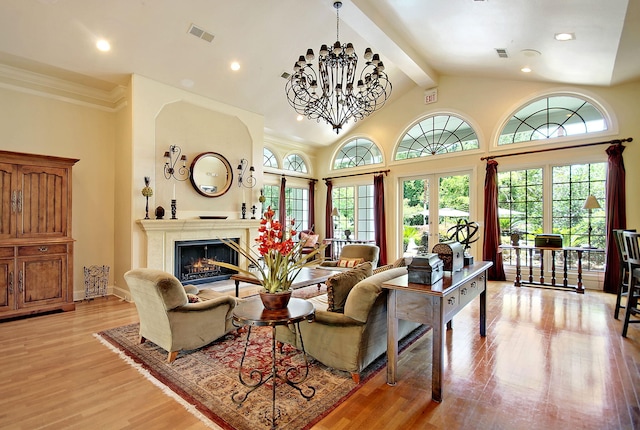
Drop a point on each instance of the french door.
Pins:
(432, 206)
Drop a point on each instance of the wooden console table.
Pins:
(579, 287)
(434, 305)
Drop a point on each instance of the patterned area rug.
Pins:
(204, 380)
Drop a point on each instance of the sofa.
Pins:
(355, 334)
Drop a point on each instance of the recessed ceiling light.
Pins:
(187, 83)
(563, 37)
(300, 117)
(235, 66)
(526, 69)
(103, 45)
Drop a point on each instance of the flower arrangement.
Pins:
(282, 258)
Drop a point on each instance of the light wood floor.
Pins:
(551, 360)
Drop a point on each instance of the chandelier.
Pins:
(330, 94)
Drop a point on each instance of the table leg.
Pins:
(483, 311)
(392, 338)
(542, 266)
(565, 282)
(553, 267)
(518, 279)
(437, 369)
(273, 377)
(579, 288)
(531, 266)
(237, 288)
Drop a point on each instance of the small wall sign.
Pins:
(431, 96)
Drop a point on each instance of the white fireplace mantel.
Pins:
(162, 236)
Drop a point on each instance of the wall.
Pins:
(162, 115)
(486, 104)
(41, 123)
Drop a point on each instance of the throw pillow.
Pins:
(340, 284)
(311, 240)
(193, 298)
(350, 262)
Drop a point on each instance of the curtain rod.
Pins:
(357, 174)
(611, 142)
(291, 176)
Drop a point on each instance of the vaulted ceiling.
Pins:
(418, 40)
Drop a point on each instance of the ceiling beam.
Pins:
(369, 23)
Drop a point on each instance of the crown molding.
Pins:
(60, 89)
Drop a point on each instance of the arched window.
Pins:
(551, 117)
(295, 163)
(357, 152)
(270, 159)
(437, 134)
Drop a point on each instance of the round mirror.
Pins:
(211, 174)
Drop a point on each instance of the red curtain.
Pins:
(616, 215)
(282, 204)
(312, 205)
(328, 219)
(491, 250)
(379, 219)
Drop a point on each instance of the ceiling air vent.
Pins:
(502, 53)
(200, 33)
(285, 75)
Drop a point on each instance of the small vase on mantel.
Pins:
(275, 301)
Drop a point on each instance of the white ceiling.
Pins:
(418, 40)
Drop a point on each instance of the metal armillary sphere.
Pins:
(330, 94)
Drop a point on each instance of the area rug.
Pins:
(204, 380)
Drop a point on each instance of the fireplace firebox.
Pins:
(196, 260)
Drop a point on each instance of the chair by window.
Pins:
(632, 249)
(623, 288)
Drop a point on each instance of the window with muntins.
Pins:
(357, 152)
(355, 208)
(436, 135)
(553, 117)
(295, 163)
(270, 159)
(272, 198)
(297, 203)
(522, 209)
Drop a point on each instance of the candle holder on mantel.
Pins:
(173, 209)
(147, 192)
(253, 212)
(244, 210)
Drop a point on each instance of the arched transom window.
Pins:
(551, 117)
(295, 163)
(357, 152)
(270, 159)
(437, 134)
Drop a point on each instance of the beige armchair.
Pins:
(355, 251)
(169, 320)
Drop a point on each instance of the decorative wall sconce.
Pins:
(246, 181)
(171, 158)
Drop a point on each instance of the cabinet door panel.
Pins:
(8, 201)
(44, 204)
(42, 280)
(7, 297)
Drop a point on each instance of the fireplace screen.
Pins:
(196, 260)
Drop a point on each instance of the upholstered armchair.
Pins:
(172, 320)
(353, 254)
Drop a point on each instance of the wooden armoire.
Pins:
(36, 246)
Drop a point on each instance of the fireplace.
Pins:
(195, 260)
